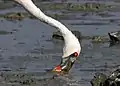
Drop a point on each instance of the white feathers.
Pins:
(71, 42)
(71, 45)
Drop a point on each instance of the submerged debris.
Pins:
(2, 32)
(88, 6)
(14, 16)
(98, 79)
(97, 39)
(58, 35)
(103, 80)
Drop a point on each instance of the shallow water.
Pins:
(27, 47)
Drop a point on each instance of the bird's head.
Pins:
(71, 52)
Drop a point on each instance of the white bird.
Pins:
(72, 46)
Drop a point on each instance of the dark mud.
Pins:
(27, 49)
(111, 80)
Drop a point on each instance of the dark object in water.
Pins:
(14, 16)
(114, 37)
(58, 35)
(103, 80)
(98, 79)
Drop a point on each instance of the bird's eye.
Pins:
(75, 54)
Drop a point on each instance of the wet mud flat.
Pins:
(31, 79)
(27, 49)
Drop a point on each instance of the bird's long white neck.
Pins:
(29, 5)
(71, 42)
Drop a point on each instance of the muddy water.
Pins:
(27, 49)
